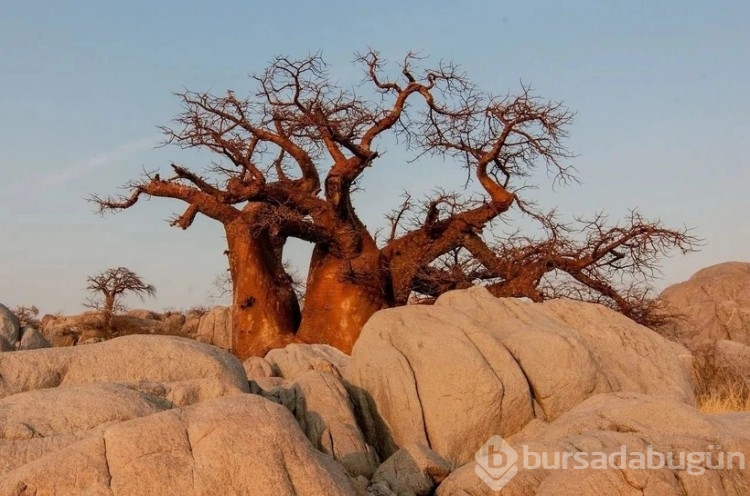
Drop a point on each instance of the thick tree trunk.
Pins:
(265, 311)
(341, 295)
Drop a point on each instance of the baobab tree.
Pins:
(109, 286)
(289, 156)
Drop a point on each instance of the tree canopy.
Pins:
(289, 156)
(109, 286)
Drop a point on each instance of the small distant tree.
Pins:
(27, 316)
(109, 286)
(221, 289)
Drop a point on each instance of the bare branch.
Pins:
(109, 286)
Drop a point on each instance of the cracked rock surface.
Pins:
(714, 304)
(604, 424)
(128, 358)
(452, 375)
(149, 415)
(240, 444)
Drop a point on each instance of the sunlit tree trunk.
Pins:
(341, 296)
(265, 311)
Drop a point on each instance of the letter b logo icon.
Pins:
(496, 463)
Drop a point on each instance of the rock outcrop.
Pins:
(235, 445)
(605, 424)
(126, 359)
(326, 414)
(425, 388)
(324, 411)
(30, 429)
(296, 359)
(714, 304)
(155, 415)
(414, 470)
(450, 376)
(15, 337)
(143, 314)
(257, 368)
(733, 359)
(32, 339)
(10, 327)
(91, 327)
(215, 327)
(74, 329)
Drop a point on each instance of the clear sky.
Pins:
(661, 90)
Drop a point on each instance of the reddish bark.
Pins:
(265, 311)
(341, 295)
(268, 186)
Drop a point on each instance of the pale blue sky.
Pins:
(661, 90)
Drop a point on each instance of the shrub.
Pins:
(720, 387)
